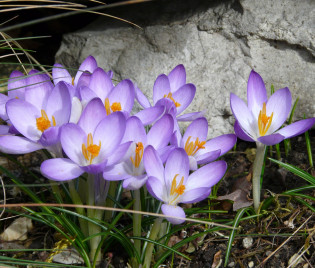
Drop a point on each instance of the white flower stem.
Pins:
(258, 164)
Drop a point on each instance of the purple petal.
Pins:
(97, 168)
(156, 188)
(161, 88)
(92, 115)
(87, 95)
(197, 129)
(60, 169)
(192, 163)
(161, 132)
(135, 131)
(101, 83)
(224, 143)
(4, 130)
(149, 115)
(116, 173)
(118, 154)
(135, 183)
(16, 85)
(153, 164)
(50, 136)
(3, 101)
(173, 211)
(141, 98)
(271, 139)
(76, 110)
(195, 195)
(256, 93)
(184, 96)
(177, 77)
(84, 80)
(296, 128)
(59, 73)
(165, 152)
(89, 64)
(190, 116)
(208, 157)
(280, 105)
(18, 145)
(240, 132)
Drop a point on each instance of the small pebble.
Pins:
(247, 242)
(268, 252)
(251, 264)
(231, 264)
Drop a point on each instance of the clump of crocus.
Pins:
(260, 121)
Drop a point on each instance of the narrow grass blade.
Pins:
(309, 148)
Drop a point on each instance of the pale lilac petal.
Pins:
(135, 131)
(23, 117)
(161, 132)
(87, 95)
(176, 164)
(118, 154)
(84, 80)
(280, 105)
(101, 83)
(190, 116)
(224, 143)
(161, 88)
(156, 188)
(38, 89)
(195, 195)
(271, 139)
(18, 145)
(16, 85)
(4, 130)
(165, 152)
(50, 136)
(192, 163)
(89, 64)
(124, 93)
(92, 115)
(59, 73)
(110, 132)
(243, 115)
(76, 110)
(151, 114)
(206, 176)
(296, 128)
(59, 104)
(141, 98)
(3, 101)
(116, 173)
(256, 93)
(208, 157)
(60, 169)
(240, 132)
(184, 96)
(177, 77)
(153, 164)
(96, 168)
(174, 211)
(135, 183)
(197, 129)
(72, 137)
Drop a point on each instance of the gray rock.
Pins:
(219, 42)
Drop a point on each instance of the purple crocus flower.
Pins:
(260, 120)
(91, 145)
(199, 150)
(173, 184)
(131, 170)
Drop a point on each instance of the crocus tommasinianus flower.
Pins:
(199, 150)
(261, 118)
(173, 184)
(131, 170)
(89, 144)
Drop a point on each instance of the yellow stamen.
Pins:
(72, 81)
(264, 121)
(169, 96)
(138, 155)
(107, 106)
(116, 107)
(192, 148)
(177, 191)
(91, 150)
(43, 122)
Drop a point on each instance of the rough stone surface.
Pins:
(219, 42)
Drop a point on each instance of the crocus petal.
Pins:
(156, 188)
(135, 183)
(16, 85)
(195, 195)
(101, 83)
(149, 115)
(160, 133)
(76, 110)
(241, 133)
(3, 101)
(23, 116)
(84, 80)
(192, 163)
(190, 116)
(256, 93)
(207, 176)
(224, 143)
(271, 139)
(208, 157)
(164, 152)
(174, 211)
(135, 131)
(116, 173)
(89, 64)
(50, 136)
(59, 73)
(243, 115)
(18, 145)
(177, 77)
(280, 105)
(197, 129)
(161, 88)
(95, 168)
(296, 128)
(60, 169)
(153, 164)
(118, 154)
(87, 95)
(92, 115)
(4, 130)
(184, 96)
(141, 98)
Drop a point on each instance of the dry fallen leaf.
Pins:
(17, 230)
(217, 260)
